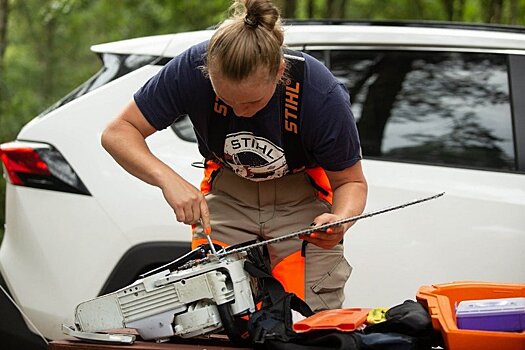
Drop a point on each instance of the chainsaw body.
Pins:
(184, 302)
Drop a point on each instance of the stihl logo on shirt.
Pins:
(291, 108)
(254, 158)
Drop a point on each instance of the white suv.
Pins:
(439, 108)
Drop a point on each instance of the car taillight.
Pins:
(39, 165)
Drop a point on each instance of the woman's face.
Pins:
(248, 96)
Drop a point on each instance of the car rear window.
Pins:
(113, 66)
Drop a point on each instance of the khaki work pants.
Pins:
(242, 210)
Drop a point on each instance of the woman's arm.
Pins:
(349, 199)
(124, 139)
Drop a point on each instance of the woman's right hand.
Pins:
(187, 201)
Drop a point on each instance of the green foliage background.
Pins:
(46, 51)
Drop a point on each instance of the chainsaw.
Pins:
(200, 293)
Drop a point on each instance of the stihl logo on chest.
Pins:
(291, 107)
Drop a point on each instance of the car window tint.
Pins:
(443, 108)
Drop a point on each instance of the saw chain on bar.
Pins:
(323, 227)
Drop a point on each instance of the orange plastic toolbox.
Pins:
(441, 300)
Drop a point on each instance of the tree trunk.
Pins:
(335, 8)
(48, 59)
(514, 12)
(497, 10)
(454, 9)
(449, 9)
(340, 9)
(419, 8)
(289, 9)
(460, 11)
(4, 15)
(310, 8)
(328, 9)
(494, 11)
(42, 30)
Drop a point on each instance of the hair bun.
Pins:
(251, 21)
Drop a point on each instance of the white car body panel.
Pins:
(474, 232)
(49, 276)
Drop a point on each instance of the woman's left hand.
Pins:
(329, 238)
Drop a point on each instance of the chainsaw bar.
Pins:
(323, 227)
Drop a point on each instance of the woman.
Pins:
(280, 145)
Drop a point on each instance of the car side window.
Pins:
(440, 108)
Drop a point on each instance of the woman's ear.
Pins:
(281, 70)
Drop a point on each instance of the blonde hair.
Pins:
(251, 38)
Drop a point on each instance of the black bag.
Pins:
(408, 326)
(409, 318)
(274, 319)
(271, 326)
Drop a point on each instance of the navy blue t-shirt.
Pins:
(253, 146)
